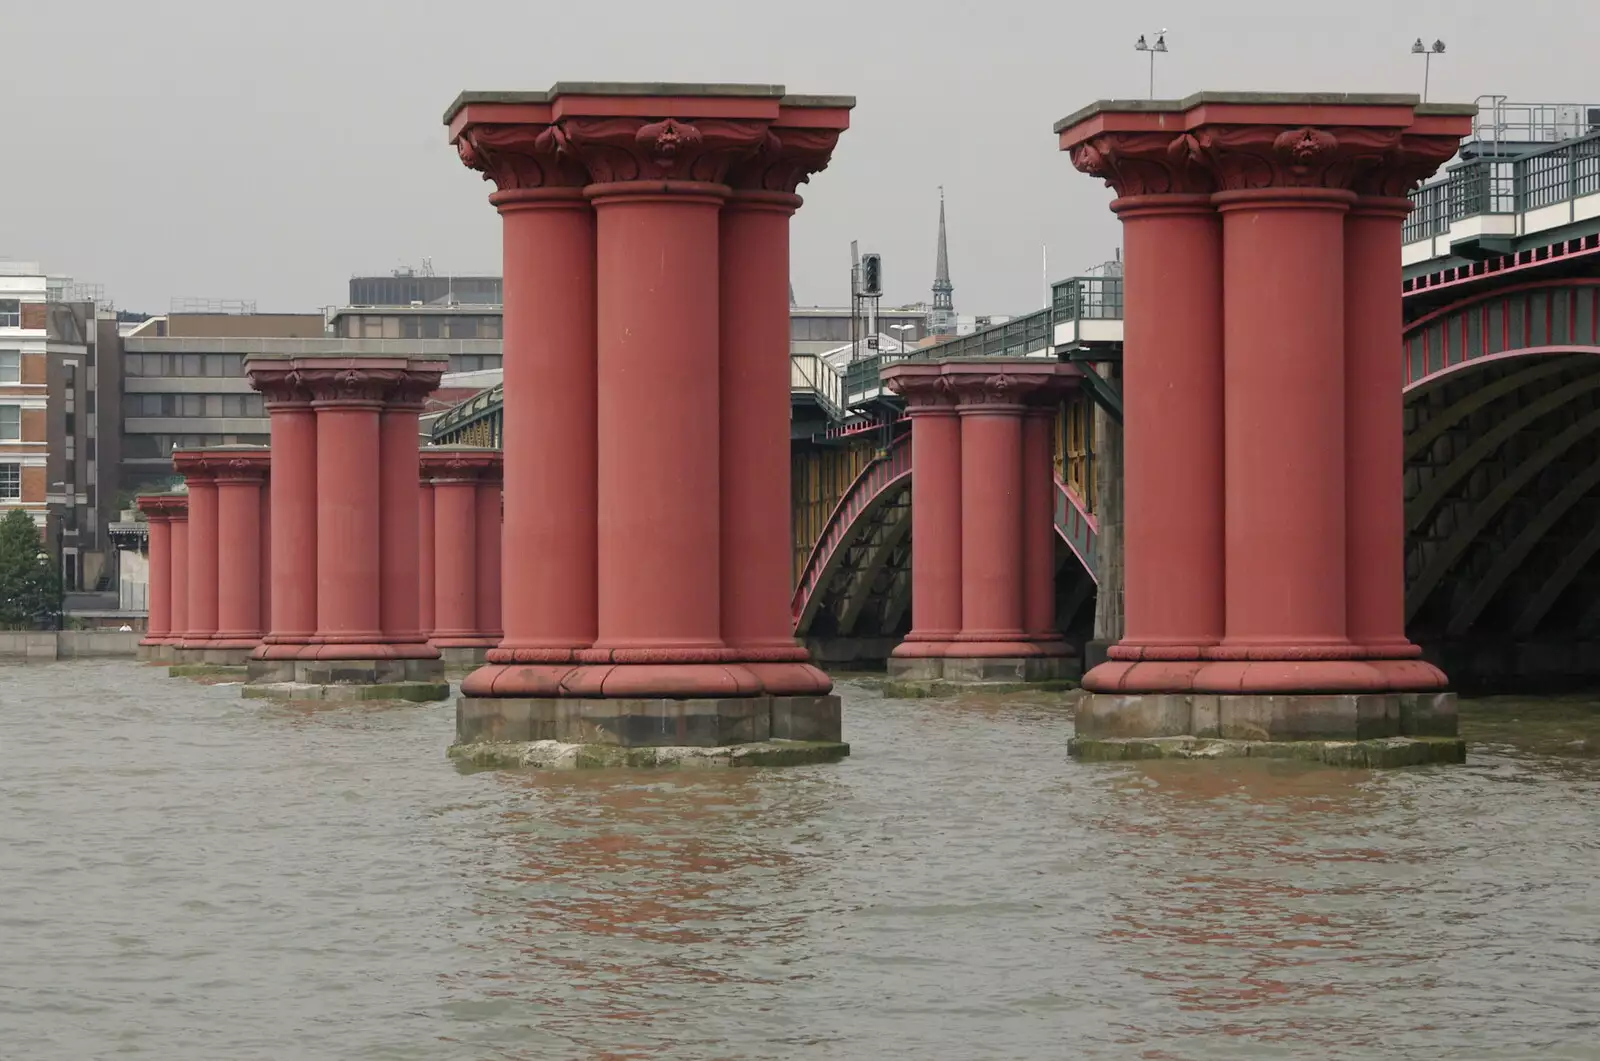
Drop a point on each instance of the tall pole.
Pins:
(1152, 73)
(1427, 69)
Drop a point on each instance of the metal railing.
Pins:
(1547, 177)
(1086, 298)
(808, 373)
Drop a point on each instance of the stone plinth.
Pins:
(344, 533)
(1263, 522)
(646, 389)
(983, 534)
(461, 592)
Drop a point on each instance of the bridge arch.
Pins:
(856, 581)
(1502, 481)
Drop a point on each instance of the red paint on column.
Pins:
(1038, 530)
(202, 557)
(1173, 438)
(399, 505)
(1283, 269)
(265, 564)
(756, 574)
(348, 522)
(293, 506)
(935, 509)
(1374, 428)
(488, 524)
(158, 580)
(426, 549)
(239, 563)
(991, 527)
(455, 613)
(549, 433)
(659, 494)
(180, 576)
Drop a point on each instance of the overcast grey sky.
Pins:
(211, 148)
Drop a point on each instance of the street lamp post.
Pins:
(902, 329)
(1159, 46)
(1427, 52)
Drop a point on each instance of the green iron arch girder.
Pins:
(1565, 573)
(1549, 514)
(1422, 507)
(1465, 533)
(1419, 440)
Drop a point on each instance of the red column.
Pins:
(1039, 531)
(1173, 445)
(489, 528)
(158, 584)
(348, 521)
(935, 509)
(1283, 270)
(549, 434)
(991, 521)
(199, 476)
(425, 555)
(756, 571)
(291, 545)
(455, 584)
(239, 488)
(179, 590)
(399, 506)
(266, 551)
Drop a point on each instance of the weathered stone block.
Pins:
(479, 720)
(806, 718)
(1288, 717)
(915, 668)
(1135, 715)
(1428, 715)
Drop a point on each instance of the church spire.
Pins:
(942, 320)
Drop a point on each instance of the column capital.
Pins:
(456, 464)
(784, 159)
(1380, 145)
(378, 380)
(924, 387)
(161, 508)
(195, 465)
(618, 150)
(522, 156)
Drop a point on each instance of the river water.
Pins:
(188, 875)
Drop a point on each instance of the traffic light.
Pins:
(871, 275)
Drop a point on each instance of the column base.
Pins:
(201, 654)
(648, 722)
(671, 681)
(920, 676)
(1264, 676)
(347, 679)
(318, 650)
(1339, 717)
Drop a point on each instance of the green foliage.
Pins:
(30, 587)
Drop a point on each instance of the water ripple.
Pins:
(192, 876)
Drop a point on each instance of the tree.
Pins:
(30, 585)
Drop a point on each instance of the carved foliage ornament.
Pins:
(1144, 164)
(923, 392)
(784, 159)
(629, 149)
(521, 156)
(1367, 160)
(301, 384)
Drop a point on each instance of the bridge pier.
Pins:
(461, 551)
(161, 511)
(1263, 441)
(646, 324)
(227, 484)
(344, 535)
(982, 511)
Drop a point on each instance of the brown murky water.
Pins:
(186, 875)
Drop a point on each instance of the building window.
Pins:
(10, 366)
(10, 423)
(10, 313)
(10, 482)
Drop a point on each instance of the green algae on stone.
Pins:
(414, 692)
(207, 670)
(912, 689)
(554, 755)
(1379, 753)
